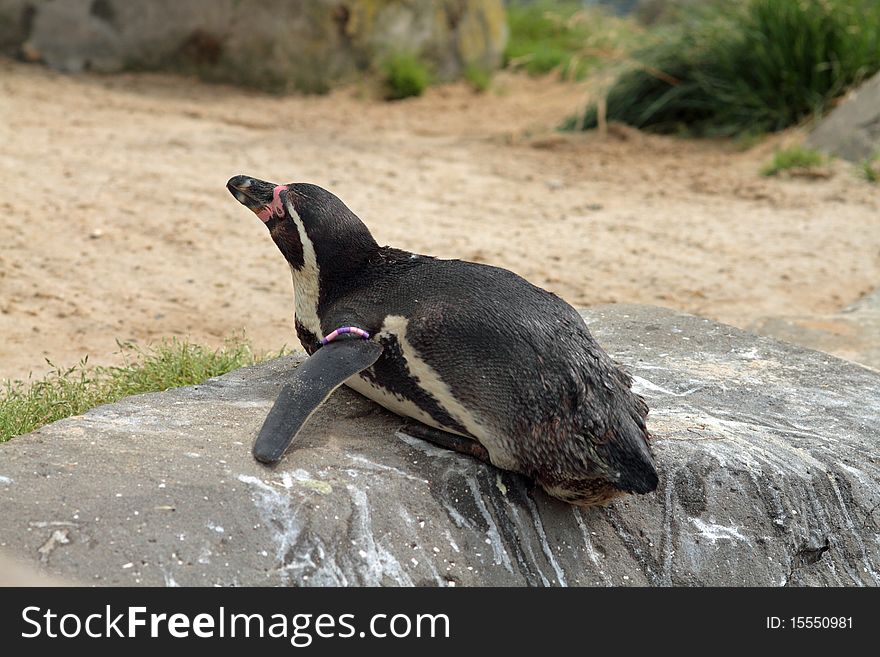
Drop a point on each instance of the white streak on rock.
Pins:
(714, 532)
(499, 554)
(850, 525)
(459, 520)
(451, 540)
(385, 468)
(643, 386)
(378, 562)
(275, 509)
(588, 544)
(170, 582)
(328, 572)
(527, 544)
(545, 545)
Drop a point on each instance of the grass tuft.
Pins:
(478, 77)
(28, 405)
(795, 157)
(405, 76)
(562, 36)
(756, 66)
(869, 169)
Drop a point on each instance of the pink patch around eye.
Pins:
(275, 207)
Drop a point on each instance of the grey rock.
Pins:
(271, 44)
(767, 454)
(71, 37)
(852, 129)
(853, 333)
(16, 22)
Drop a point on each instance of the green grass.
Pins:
(869, 169)
(795, 157)
(478, 77)
(562, 36)
(754, 66)
(405, 76)
(27, 405)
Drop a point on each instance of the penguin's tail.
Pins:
(629, 453)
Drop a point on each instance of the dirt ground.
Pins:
(115, 223)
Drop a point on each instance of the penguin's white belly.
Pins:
(394, 403)
(430, 381)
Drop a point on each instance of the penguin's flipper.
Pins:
(447, 440)
(312, 383)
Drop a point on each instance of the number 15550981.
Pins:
(810, 623)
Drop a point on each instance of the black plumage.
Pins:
(491, 356)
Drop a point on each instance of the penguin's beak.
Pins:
(252, 193)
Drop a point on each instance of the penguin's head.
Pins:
(312, 228)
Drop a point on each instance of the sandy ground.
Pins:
(115, 223)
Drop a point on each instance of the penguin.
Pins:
(486, 363)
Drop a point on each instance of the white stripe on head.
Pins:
(306, 285)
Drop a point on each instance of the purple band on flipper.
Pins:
(330, 337)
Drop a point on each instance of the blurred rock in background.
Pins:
(268, 44)
(852, 130)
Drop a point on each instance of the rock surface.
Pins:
(853, 333)
(767, 454)
(270, 44)
(852, 130)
